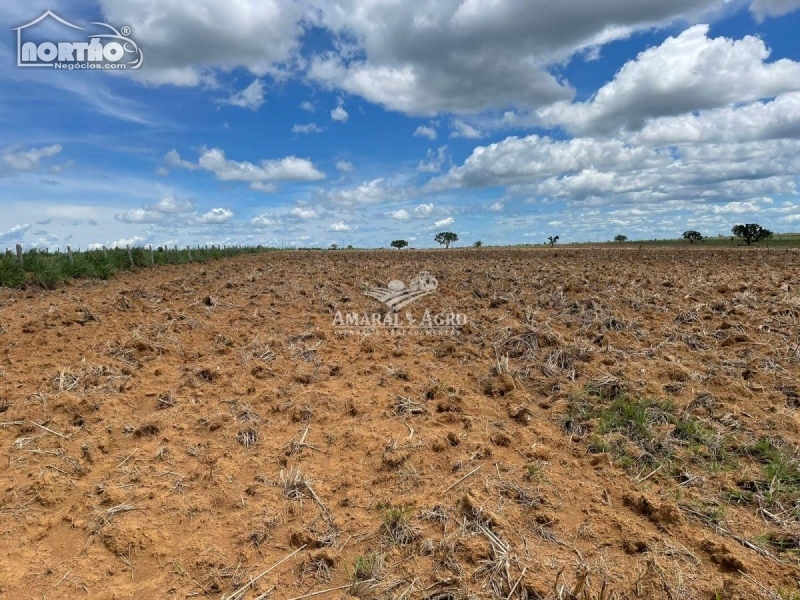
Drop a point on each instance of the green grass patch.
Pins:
(779, 484)
(633, 417)
(396, 524)
(11, 274)
(643, 433)
(367, 567)
(780, 542)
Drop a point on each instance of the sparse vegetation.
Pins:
(50, 270)
(397, 526)
(642, 433)
(780, 485)
(366, 568)
(11, 274)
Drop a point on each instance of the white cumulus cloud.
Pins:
(340, 226)
(345, 166)
(773, 8)
(304, 213)
(14, 235)
(186, 43)
(425, 131)
(435, 161)
(465, 130)
(423, 211)
(399, 215)
(307, 128)
(265, 220)
(216, 215)
(442, 223)
(26, 160)
(251, 97)
(340, 114)
(686, 73)
(260, 176)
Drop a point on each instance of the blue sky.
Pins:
(314, 122)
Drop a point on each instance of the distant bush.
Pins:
(48, 274)
(693, 236)
(11, 274)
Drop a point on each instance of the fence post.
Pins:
(189, 250)
(152, 259)
(130, 256)
(105, 252)
(19, 255)
(69, 253)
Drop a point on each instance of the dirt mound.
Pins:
(605, 424)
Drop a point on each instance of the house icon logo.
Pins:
(109, 49)
(397, 295)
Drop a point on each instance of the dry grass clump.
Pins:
(397, 525)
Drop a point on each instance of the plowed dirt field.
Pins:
(601, 423)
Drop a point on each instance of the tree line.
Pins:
(749, 233)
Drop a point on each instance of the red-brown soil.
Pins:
(176, 432)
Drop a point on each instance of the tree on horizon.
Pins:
(693, 236)
(751, 233)
(445, 238)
